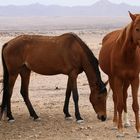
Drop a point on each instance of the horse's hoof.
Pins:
(138, 135)
(120, 135)
(126, 125)
(80, 121)
(37, 119)
(11, 121)
(114, 128)
(68, 118)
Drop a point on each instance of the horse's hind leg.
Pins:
(135, 104)
(25, 78)
(125, 94)
(67, 98)
(12, 79)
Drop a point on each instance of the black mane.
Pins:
(93, 60)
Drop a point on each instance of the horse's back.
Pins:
(108, 44)
(44, 54)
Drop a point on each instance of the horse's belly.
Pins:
(46, 72)
(48, 68)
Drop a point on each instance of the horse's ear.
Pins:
(133, 17)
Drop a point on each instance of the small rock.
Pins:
(86, 134)
(72, 131)
(31, 136)
(89, 127)
(56, 88)
(36, 136)
(81, 128)
(19, 136)
(39, 132)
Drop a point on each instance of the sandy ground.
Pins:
(48, 103)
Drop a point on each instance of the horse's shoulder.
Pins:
(112, 36)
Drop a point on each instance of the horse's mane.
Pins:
(92, 59)
(124, 36)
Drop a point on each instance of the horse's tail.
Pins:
(5, 83)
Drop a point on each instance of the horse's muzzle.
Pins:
(102, 117)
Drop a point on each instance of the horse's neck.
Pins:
(129, 51)
(128, 48)
(91, 75)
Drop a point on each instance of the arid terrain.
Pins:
(48, 100)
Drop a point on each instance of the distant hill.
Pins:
(100, 8)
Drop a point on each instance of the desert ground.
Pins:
(48, 100)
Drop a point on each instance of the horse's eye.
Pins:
(137, 29)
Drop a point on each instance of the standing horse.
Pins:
(66, 54)
(119, 58)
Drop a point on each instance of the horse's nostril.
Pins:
(103, 118)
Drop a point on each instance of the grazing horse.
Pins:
(119, 58)
(65, 54)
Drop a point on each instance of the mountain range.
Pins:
(100, 8)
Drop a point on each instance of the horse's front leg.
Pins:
(120, 104)
(67, 98)
(115, 119)
(125, 94)
(73, 78)
(135, 105)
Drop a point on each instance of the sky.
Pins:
(64, 2)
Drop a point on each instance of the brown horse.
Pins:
(66, 54)
(120, 59)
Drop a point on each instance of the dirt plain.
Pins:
(48, 100)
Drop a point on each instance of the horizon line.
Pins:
(65, 5)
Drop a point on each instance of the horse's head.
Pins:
(98, 98)
(135, 28)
